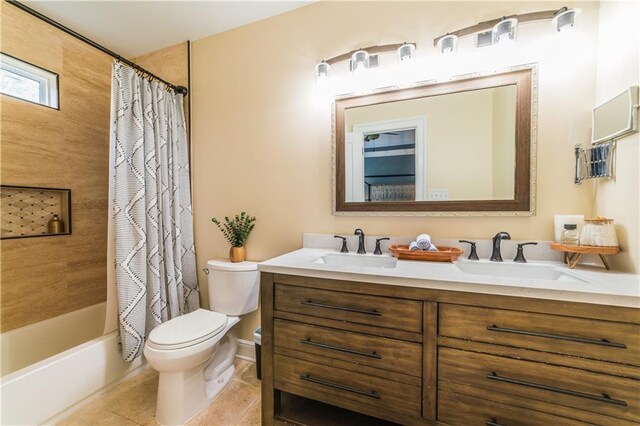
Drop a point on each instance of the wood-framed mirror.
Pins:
(461, 147)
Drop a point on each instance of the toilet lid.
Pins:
(188, 330)
(225, 265)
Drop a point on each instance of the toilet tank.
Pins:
(233, 287)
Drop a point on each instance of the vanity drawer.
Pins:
(588, 338)
(345, 388)
(401, 314)
(462, 410)
(379, 352)
(547, 384)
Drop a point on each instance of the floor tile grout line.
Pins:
(124, 418)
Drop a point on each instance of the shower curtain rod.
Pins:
(178, 89)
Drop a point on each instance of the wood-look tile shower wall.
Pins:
(67, 148)
(49, 276)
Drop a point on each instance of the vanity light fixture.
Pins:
(503, 29)
(448, 44)
(322, 69)
(406, 51)
(359, 60)
(367, 57)
(565, 19)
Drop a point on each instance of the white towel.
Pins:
(413, 246)
(424, 241)
(433, 248)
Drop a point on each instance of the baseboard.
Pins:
(246, 350)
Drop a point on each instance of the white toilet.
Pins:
(194, 353)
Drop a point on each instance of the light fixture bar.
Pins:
(371, 50)
(488, 25)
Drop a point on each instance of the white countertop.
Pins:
(586, 285)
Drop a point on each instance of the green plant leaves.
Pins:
(236, 230)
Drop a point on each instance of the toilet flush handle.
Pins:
(206, 270)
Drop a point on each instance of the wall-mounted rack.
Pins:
(595, 161)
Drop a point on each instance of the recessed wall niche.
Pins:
(27, 211)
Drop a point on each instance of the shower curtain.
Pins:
(155, 268)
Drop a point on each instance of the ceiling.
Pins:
(132, 28)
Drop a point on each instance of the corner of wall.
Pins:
(618, 68)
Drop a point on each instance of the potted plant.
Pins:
(236, 231)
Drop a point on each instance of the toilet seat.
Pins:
(187, 330)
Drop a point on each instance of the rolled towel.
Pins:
(413, 246)
(433, 248)
(424, 241)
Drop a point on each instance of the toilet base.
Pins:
(215, 386)
(182, 395)
(220, 369)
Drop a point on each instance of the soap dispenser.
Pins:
(55, 225)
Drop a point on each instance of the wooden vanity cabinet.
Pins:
(582, 369)
(358, 351)
(420, 356)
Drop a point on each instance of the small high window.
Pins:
(22, 80)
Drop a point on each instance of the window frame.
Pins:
(48, 81)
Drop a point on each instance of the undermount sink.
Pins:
(515, 270)
(359, 260)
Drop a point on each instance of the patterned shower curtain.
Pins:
(155, 266)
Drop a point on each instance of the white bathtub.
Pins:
(27, 345)
(46, 388)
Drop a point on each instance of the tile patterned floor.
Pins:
(134, 402)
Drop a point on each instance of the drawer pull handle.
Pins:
(341, 308)
(603, 342)
(340, 349)
(602, 398)
(493, 422)
(370, 394)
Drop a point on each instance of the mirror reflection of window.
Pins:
(389, 165)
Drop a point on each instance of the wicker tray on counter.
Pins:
(444, 254)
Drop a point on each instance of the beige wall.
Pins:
(618, 68)
(458, 135)
(262, 143)
(49, 276)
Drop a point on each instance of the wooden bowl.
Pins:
(444, 253)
